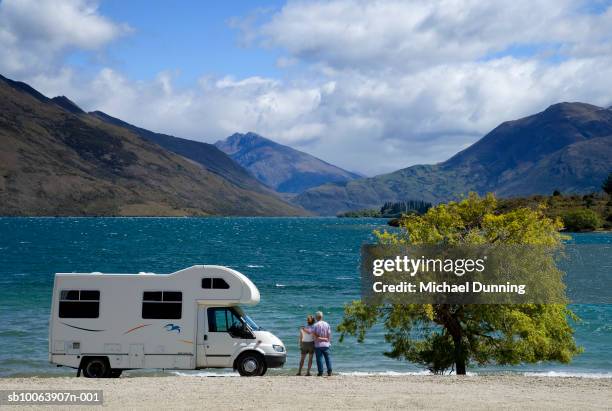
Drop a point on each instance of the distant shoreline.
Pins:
(579, 213)
(390, 221)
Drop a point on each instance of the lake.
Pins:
(300, 265)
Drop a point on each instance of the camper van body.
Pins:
(190, 319)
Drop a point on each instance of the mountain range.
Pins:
(280, 167)
(567, 147)
(55, 159)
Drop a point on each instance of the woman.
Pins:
(306, 344)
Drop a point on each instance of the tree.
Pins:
(391, 209)
(442, 336)
(581, 219)
(607, 184)
(556, 193)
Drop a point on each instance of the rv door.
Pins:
(201, 338)
(225, 335)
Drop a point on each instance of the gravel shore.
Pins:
(337, 392)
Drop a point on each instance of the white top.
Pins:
(307, 337)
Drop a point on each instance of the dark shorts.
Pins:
(307, 347)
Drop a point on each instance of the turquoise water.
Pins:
(300, 265)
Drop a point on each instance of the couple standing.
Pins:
(316, 338)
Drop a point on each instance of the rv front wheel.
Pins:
(96, 368)
(251, 364)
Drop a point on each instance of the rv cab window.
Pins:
(162, 305)
(79, 304)
(215, 283)
(228, 320)
(223, 319)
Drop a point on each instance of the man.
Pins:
(322, 341)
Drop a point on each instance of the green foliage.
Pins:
(559, 206)
(367, 212)
(442, 336)
(391, 210)
(581, 220)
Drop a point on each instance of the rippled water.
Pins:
(300, 265)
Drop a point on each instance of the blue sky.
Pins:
(191, 37)
(371, 86)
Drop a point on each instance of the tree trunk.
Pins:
(452, 324)
(459, 357)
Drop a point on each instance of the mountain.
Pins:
(207, 155)
(57, 160)
(567, 147)
(283, 168)
(25, 88)
(67, 104)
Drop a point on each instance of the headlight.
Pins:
(278, 348)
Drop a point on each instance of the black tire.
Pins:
(115, 373)
(251, 364)
(96, 368)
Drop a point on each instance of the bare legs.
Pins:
(301, 363)
(309, 363)
(302, 358)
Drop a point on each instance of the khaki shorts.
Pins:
(307, 347)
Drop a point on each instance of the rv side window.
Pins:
(215, 283)
(162, 305)
(79, 304)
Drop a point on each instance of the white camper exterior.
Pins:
(190, 319)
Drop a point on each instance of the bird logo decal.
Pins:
(173, 327)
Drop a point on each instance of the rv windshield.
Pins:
(252, 324)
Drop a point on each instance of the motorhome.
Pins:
(102, 324)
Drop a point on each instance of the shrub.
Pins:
(581, 220)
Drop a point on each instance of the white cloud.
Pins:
(215, 109)
(361, 122)
(409, 35)
(229, 81)
(35, 34)
(371, 86)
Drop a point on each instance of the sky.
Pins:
(370, 86)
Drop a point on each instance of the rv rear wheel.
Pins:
(251, 364)
(96, 368)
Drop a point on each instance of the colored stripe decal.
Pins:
(80, 328)
(136, 328)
